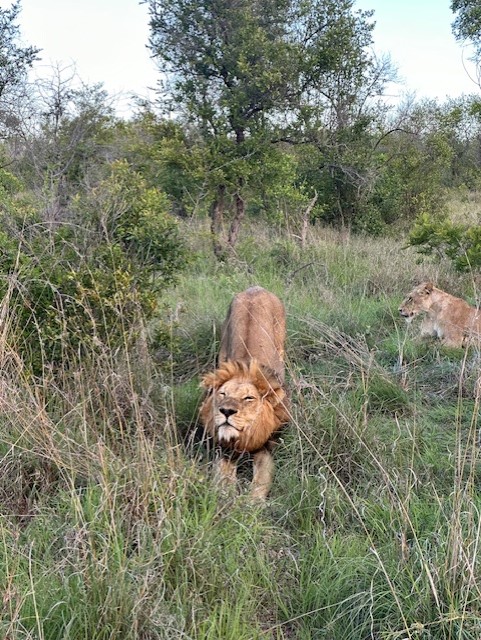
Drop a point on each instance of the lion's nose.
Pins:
(227, 411)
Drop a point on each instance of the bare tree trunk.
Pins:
(240, 209)
(238, 215)
(305, 219)
(217, 219)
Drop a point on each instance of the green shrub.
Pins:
(74, 289)
(443, 238)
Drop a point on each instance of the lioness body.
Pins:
(451, 319)
(245, 404)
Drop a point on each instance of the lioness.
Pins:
(448, 318)
(246, 401)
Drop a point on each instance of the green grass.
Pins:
(111, 524)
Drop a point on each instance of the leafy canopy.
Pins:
(227, 62)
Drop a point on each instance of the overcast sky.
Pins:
(418, 36)
(107, 41)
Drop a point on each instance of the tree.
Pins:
(251, 74)
(340, 112)
(65, 139)
(458, 121)
(229, 69)
(412, 165)
(467, 24)
(170, 156)
(14, 64)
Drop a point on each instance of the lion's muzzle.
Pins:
(227, 433)
(227, 411)
(407, 315)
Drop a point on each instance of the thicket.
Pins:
(89, 281)
(443, 238)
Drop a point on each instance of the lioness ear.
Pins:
(428, 287)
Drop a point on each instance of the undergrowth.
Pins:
(112, 527)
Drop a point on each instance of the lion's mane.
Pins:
(265, 420)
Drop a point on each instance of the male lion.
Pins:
(246, 402)
(448, 318)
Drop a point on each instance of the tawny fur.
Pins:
(255, 329)
(246, 402)
(451, 319)
(257, 418)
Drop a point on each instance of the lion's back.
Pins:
(457, 314)
(255, 328)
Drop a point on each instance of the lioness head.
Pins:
(417, 301)
(245, 405)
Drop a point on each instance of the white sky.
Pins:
(106, 39)
(418, 36)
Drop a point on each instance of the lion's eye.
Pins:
(248, 398)
(221, 394)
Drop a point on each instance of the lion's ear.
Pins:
(276, 396)
(428, 287)
(210, 382)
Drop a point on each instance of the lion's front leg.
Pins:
(225, 470)
(263, 474)
(428, 329)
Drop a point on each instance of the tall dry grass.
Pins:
(111, 525)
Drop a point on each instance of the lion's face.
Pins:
(417, 301)
(245, 406)
(237, 406)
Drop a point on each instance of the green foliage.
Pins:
(467, 24)
(231, 68)
(312, 69)
(228, 76)
(135, 218)
(342, 128)
(169, 157)
(81, 130)
(67, 305)
(15, 62)
(410, 180)
(438, 238)
(77, 289)
(72, 142)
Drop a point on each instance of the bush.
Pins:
(459, 243)
(75, 288)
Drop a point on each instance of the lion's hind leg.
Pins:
(262, 475)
